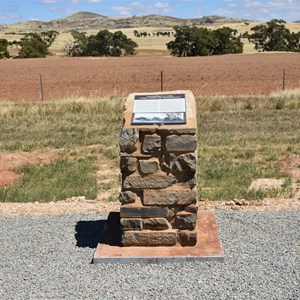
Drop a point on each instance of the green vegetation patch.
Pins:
(237, 147)
(59, 180)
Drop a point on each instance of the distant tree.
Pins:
(191, 41)
(3, 48)
(245, 35)
(49, 36)
(99, 44)
(34, 45)
(78, 46)
(226, 41)
(123, 44)
(274, 36)
(104, 43)
(194, 41)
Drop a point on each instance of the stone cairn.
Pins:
(158, 196)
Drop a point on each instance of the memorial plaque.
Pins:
(159, 109)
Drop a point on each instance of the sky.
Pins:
(12, 11)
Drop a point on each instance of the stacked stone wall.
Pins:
(158, 197)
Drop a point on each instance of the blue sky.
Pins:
(12, 11)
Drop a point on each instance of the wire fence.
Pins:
(44, 86)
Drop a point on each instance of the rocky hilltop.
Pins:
(87, 20)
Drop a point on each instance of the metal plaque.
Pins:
(159, 109)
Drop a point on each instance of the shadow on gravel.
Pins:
(88, 233)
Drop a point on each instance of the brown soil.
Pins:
(259, 73)
(10, 161)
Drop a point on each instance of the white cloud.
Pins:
(49, 1)
(161, 4)
(5, 16)
(57, 8)
(71, 11)
(94, 1)
(260, 9)
(138, 8)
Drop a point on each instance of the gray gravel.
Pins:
(49, 257)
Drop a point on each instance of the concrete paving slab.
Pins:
(208, 247)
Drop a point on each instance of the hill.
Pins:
(90, 21)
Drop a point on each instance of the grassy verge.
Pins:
(240, 139)
(59, 180)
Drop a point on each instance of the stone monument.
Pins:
(159, 219)
(158, 149)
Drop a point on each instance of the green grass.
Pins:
(237, 146)
(59, 180)
(240, 139)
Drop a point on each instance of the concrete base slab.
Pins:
(208, 247)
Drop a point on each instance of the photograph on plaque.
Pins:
(159, 109)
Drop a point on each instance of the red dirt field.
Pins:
(259, 73)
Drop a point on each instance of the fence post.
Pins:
(283, 79)
(161, 81)
(41, 88)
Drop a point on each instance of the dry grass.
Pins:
(240, 139)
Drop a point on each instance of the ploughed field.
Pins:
(259, 73)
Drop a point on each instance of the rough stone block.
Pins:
(193, 208)
(168, 160)
(169, 197)
(146, 212)
(131, 224)
(128, 164)
(185, 220)
(189, 182)
(128, 140)
(155, 224)
(187, 238)
(127, 197)
(186, 163)
(151, 143)
(148, 131)
(149, 238)
(149, 166)
(135, 154)
(179, 131)
(159, 181)
(181, 143)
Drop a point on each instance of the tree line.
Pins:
(189, 41)
(194, 41)
(158, 33)
(104, 43)
(32, 45)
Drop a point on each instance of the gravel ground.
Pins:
(49, 257)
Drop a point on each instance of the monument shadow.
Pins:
(90, 233)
